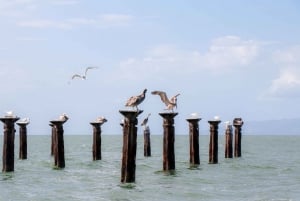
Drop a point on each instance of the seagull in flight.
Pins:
(83, 77)
(170, 103)
(134, 101)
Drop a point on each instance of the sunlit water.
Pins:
(269, 169)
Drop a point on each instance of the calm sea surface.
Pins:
(269, 169)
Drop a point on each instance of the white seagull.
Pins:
(170, 103)
(83, 77)
(63, 117)
(145, 121)
(101, 120)
(24, 120)
(134, 101)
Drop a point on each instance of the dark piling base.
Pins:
(194, 141)
(168, 142)
(8, 143)
(59, 152)
(23, 141)
(237, 123)
(96, 140)
(147, 142)
(129, 146)
(213, 141)
(228, 142)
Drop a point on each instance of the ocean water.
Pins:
(269, 169)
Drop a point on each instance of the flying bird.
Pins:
(145, 121)
(134, 101)
(170, 103)
(83, 77)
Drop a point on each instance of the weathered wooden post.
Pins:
(59, 152)
(53, 137)
(147, 142)
(169, 140)
(213, 142)
(23, 139)
(96, 140)
(8, 142)
(194, 140)
(237, 123)
(129, 145)
(228, 140)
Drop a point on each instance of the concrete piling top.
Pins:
(168, 115)
(130, 114)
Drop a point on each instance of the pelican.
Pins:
(145, 121)
(170, 103)
(83, 77)
(216, 118)
(101, 120)
(63, 117)
(134, 101)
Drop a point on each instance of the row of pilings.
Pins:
(129, 142)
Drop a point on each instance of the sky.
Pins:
(227, 58)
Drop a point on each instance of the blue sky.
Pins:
(228, 58)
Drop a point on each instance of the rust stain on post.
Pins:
(194, 140)
(168, 142)
(129, 145)
(8, 143)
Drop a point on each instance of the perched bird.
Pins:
(83, 77)
(134, 101)
(63, 117)
(24, 120)
(145, 121)
(170, 103)
(101, 120)
(10, 114)
(228, 125)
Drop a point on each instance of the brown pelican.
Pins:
(145, 121)
(83, 77)
(170, 103)
(134, 101)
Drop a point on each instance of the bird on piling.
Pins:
(170, 103)
(101, 120)
(24, 120)
(83, 77)
(134, 101)
(145, 121)
(63, 117)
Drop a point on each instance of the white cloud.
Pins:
(225, 53)
(16, 8)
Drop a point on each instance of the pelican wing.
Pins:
(131, 101)
(163, 96)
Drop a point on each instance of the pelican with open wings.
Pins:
(170, 103)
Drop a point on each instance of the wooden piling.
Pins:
(237, 123)
(129, 145)
(53, 137)
(147, 142)
(8, 143)
(169, 140)
(194, 141)
(59, 152)
(23, 140)
(228, 142)
(96, 140)
(213, 141)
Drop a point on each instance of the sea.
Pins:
(269, 170)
